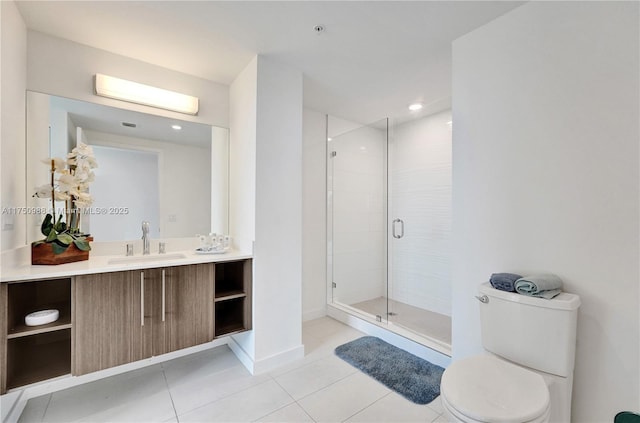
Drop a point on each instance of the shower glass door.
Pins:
(357, 227)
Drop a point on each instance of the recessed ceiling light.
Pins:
(329, 139)
(415, 107)
(176, 127)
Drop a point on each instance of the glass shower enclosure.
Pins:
(357, 214)
(389, 226)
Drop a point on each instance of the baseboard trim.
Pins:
(314, 314)
(276, 360)
(242, 355)
(266, 364)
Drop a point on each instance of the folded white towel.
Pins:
(543, 286)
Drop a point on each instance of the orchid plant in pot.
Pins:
(70, 179)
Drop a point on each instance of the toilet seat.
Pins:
(454, 415)
(488, 389)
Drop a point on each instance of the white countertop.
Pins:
(101, 264)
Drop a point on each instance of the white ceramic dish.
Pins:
(41, 317)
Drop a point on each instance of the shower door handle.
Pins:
(395, 234)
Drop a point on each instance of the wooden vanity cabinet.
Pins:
(104, 321)
(114, 318)
(127, 316)
(189, 290)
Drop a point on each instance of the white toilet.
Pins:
(527, 376)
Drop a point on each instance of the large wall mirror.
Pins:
(171, 173)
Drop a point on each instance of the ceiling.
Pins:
(373, 59)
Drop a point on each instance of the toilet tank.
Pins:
(533, 332)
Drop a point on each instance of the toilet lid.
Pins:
(486, 388)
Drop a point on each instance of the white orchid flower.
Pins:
(82, 151)
(66, 182)
(84, 199)
(81, 175)
(73, 178)
(62, 196)
(58, 163)
(75, 192)
(43, 191)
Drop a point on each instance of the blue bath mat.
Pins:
(412, 377)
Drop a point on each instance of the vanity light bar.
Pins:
(121, 89)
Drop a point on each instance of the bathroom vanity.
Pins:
(113, 314)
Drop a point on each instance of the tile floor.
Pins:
(213, 386)
(418, 320)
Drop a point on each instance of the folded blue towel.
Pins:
(504, 281)
(543, 286)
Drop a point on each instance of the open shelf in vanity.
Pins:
(35, 353)
(232, 298)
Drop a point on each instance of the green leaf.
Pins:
(57, 248)
(52, 236)
(46, 226)
(60, 226)
(65, 238)
(82, 244)
(38, 242)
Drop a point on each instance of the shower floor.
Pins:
(423, 322)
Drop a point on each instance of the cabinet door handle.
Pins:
(141, 298)
(163, 296)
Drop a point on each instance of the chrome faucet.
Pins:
(145, 238)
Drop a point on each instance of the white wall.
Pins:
(219, 180)
(272, 94)
(38, 130)
(243, 94)
(13, 70)
(184, 187)
(314, 214)
(278, 243)
(357, 191)
(64, 68)
(243, 97)
(420, 192)
(545, 179)
(124, 179)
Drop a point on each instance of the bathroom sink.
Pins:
(146, 259)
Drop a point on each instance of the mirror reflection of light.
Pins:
(415, 107)
(176, 127)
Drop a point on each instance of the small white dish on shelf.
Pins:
(204, 250)
(41, 317)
